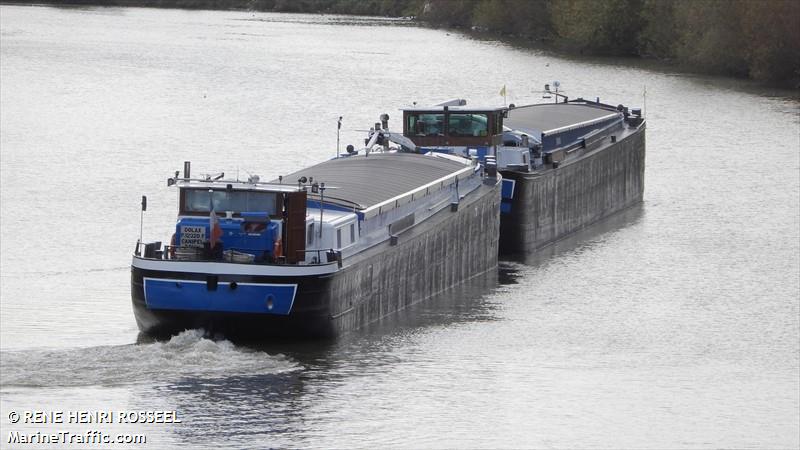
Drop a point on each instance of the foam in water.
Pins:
(187, 355)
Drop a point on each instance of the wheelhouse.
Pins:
(238, 221)
(445, 126)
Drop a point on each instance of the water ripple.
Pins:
(185, 356)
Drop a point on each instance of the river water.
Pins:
(673, 325)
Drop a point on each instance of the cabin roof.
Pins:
(550, 117)
(236, 185)
(374, 179)
(455, 109)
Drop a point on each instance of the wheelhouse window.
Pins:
(426, 124)
(199, 201)
(468, 124)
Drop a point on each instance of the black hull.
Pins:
(550, 205)
(443, 251)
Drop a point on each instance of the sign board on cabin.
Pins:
(192, 236)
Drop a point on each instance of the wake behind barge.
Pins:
(324, 250)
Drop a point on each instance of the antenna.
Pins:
(321, 208)
(338, 131)
(644, 100)
(141, 222)
(556, 94)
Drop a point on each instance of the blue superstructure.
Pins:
(253, 233)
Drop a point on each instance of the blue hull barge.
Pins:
(323, 251)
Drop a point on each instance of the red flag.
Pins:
(216, 229)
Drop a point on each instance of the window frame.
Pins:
(183, 202)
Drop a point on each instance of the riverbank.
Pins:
(736, 38)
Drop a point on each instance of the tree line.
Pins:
(757, 39)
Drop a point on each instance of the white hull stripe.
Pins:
(218, 268)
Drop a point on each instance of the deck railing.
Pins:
(155, 250)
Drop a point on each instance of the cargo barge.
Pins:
(565, 165)
(319, 252)
(586, 163)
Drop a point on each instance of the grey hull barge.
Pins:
(323, 251)
(586, 163)
(564, 165)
